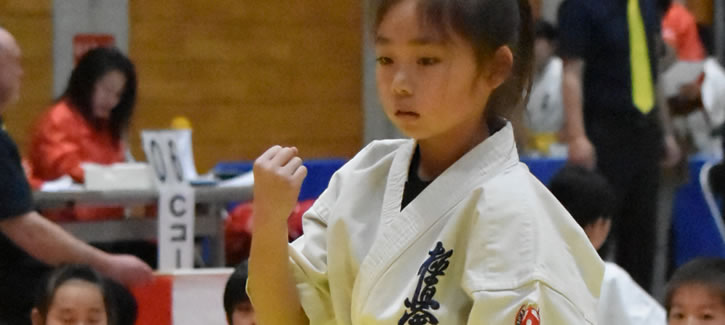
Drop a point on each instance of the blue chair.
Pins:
(319, 172)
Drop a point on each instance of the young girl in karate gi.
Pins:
(445, 228)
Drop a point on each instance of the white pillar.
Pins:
(73, 17)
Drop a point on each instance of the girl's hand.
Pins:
(278, 175)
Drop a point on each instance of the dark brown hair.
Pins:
(486, 25)
(64, 273)
(91, 68)
(706, 271)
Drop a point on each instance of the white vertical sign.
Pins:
(176, 198)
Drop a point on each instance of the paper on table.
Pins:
(679, 74)
(243, 180)
(63, 183)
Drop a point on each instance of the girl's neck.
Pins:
(439, 153)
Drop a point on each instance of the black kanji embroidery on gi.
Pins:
(419, 308)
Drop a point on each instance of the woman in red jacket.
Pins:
(87, 124)
(89, 121)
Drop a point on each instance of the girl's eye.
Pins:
(428, 61)
(384, 60)
(707, 317)
(676, 316)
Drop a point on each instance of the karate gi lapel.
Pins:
(399, 229)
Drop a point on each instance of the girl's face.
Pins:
(77, 302)
(695, 304)
(107, 93)
(429, 88)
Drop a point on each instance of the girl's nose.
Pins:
(401, 83)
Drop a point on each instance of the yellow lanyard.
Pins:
(642, 88)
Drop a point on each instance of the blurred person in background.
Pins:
(615, 120)
(29, 243)
(89, 123)
(544, 114)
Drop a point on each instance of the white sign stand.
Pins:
(176, 197)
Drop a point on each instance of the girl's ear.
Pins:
(36, 318)
(500, 67)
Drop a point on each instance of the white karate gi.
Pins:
(506, 248)
(713, 100)
(624, 302)
(545, 112)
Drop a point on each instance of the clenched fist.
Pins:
(278, 176)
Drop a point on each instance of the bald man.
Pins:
(30, 244)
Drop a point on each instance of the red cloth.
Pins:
(61, 141)
(679, 30)
(238, 229)
(155, 301)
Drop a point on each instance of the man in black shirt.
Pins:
(30, 244)
(609, 52)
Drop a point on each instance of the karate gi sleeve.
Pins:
(308, 260)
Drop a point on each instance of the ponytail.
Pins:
(509, 98)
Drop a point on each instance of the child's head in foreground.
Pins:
(696, 293)
(448, 66)
(72, 294)
(237, 305)
(588, 197)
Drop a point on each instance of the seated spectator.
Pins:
(237, 305)
(73, 294)
(590, 200)
(88, 124)
(544, 112)
(696, 293)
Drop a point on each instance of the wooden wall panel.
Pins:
(31, 24)
(252, 73)
(247, 73)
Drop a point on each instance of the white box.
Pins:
(119, 176)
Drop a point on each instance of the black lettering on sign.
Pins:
(176, 205)
(175, 161)
(181, 235)
(157, 160)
